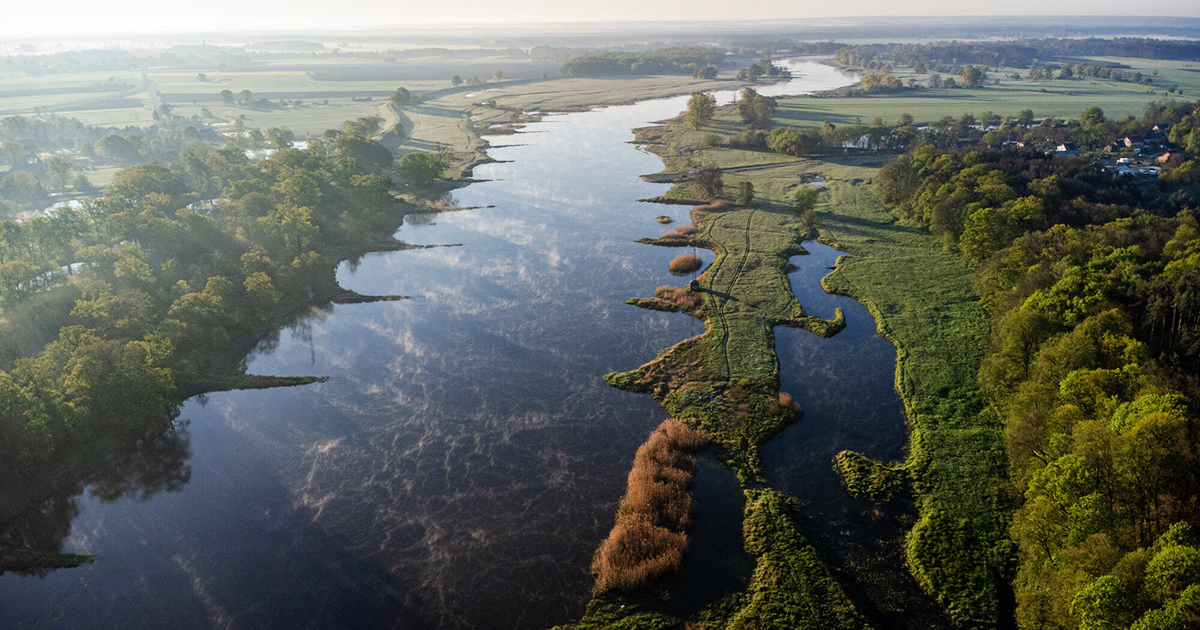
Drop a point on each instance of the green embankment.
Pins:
(726, 383)
(921, 298)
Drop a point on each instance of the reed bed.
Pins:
(649, 539)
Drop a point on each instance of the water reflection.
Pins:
(862, 540)
(139, 473)
(463, 461)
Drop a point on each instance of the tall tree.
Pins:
(701, 107)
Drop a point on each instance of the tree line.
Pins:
(114, 311)
(1092, 282)
(681, 60)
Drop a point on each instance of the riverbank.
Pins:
(116, 419)
(921, 299)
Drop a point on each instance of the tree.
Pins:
(1091, 117)
(456, 80)
(13, 152)
(59, 169)
(708, 182)
(24, 188)
(972, 77)
(701, 107)
(805, 198)
(422, 169)
(756, 109)
(745, 196)
(227, 97)
(366, 127)
(247, 97)
(1025, 117)
(401, 97)
(281, 137)
(707, 72)
(497, 76)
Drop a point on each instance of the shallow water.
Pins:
(846, 386)
(464, 459)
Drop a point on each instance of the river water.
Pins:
(465, 458)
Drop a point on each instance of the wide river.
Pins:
(465, 458)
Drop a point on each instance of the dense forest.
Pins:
(1021, 53)
(1092, 282)
(114, 312)
(684, 60)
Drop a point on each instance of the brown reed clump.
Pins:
(786, 401)
(719, 205)
(685, 229)
(685, 264)
(637, 553)
(683, 437)
(648, 540)
(678, 296)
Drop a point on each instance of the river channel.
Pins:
(465, 458)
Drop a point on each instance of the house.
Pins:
(1067, 148)
(1135, 142)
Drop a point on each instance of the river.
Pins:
(465, 458)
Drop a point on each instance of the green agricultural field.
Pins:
(1059, 98)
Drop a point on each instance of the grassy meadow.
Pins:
(922, 300)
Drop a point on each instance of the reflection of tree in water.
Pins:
(31, 535)
(420, 218)
(301, 325)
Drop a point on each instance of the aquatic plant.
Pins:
(684, 264)
(648, 540)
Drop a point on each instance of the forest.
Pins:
(1092, 283)
(118, 310)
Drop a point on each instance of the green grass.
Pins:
(1063, 99)
(921, 298)
(791, 587)
(922, 301)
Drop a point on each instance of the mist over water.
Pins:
(465, 458)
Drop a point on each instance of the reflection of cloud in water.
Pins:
(466, 443)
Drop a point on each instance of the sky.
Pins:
(32, 18)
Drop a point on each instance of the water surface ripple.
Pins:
(464, 459)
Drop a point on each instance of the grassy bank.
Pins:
(921, 299)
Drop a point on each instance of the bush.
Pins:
(685, 264)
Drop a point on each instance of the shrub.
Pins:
(685, 264)
(663, 219)
(686, 229)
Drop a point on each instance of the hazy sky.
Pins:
(28, 18)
